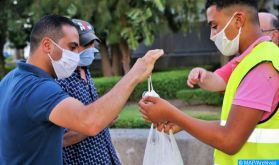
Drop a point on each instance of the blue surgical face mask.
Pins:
(87, 56)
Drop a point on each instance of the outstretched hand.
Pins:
(144, 66)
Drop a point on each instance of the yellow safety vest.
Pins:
(263, 143)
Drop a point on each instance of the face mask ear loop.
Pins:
(56, 45)
(50, 56)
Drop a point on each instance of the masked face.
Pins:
(66, 65)
(225, 46)
(87, 56)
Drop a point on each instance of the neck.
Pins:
(251, 35)
(32, 59)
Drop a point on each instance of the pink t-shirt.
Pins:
(260, 87)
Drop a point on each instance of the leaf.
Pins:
(72, 10)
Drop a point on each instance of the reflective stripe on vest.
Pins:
(261, 135)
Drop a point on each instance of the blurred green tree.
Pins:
(3, 34)
(121, 24)
(19, 25)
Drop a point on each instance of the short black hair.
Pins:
(275, 23)
(227, 3)
(48, 26)
(221, 4)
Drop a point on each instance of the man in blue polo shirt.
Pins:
(33, 108)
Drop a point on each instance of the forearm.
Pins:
(213, 82)
(209, 132)
(103, 111)
(72, 137)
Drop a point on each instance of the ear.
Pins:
(275, 36)
(46, 45)
(240, 19)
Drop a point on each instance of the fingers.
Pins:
(190, 83)
(153, 54)
(160, 126)
(150, 99)
(203, 76)
(195, 76)
(146, 118)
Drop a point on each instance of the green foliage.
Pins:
(166, 84)
(130, 117)
(19, 23)
(199, 96)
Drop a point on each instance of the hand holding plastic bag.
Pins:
(161, 149)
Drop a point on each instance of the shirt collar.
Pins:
(21, 64)
(248, 50)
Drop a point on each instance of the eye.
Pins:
(73, 48)
(214, 27)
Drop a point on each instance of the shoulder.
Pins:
(259, 87)
(44, 88)
(262, 75)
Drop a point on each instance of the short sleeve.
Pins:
(42, 99)
(226, 71)
(259, 88)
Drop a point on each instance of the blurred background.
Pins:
(127, 29)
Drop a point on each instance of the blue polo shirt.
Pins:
(27, 96)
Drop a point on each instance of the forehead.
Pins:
(212, 13)
(70, 34)
(265, 20)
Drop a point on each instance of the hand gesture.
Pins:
(156, 110)
(144, 66)
(196, 76)
(167, 127)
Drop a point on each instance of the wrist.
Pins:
(170, 114)
(133, 78)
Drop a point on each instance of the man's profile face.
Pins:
(69, 41)
(217, 20)
(90, 45)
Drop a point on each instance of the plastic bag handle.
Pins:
(150, 85)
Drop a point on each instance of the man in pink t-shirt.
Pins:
(234, 30)
(265, 95)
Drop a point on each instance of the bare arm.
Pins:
(206, 80)
(229, 138)
(72, 137)
(93, 118)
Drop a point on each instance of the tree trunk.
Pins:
(19, 54)
(116, 58)
(2, 59)
(106, 66)
(126, 56)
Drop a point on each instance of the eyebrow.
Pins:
(73, 44)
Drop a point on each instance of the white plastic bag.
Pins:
(161, 149)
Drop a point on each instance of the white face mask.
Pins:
(225, 46)
(66, 65)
